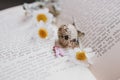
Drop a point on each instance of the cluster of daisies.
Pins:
(44, 22)
(42, 18)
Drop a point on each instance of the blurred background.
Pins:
(10, 3)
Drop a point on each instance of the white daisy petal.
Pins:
(77, 49)
(88, 49)
(90, 55)
(44, 10)
(77, 62)
(44, 32)
(43, 15)
(80, 57)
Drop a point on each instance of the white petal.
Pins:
(45, 12)
(90, 55)
(81, 63)
(77, 49)
(40, 24)
(88, 50)
(50, 18)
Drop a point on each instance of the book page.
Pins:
(23, 57)
(100, 20)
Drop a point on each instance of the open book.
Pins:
(22, 58)
(100, 20)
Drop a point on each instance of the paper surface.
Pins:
(100, 20)
(22, 57)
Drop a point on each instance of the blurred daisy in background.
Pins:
(43, 15)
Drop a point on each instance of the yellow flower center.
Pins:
(81, 55)
(41, 17)
(43, 33)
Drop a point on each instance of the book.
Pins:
(100, 20)
(23, 57)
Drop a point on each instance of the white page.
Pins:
(100, 20)
(24, 58)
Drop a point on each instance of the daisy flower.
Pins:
(44, 31)
(43, 15)
(80, 56)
